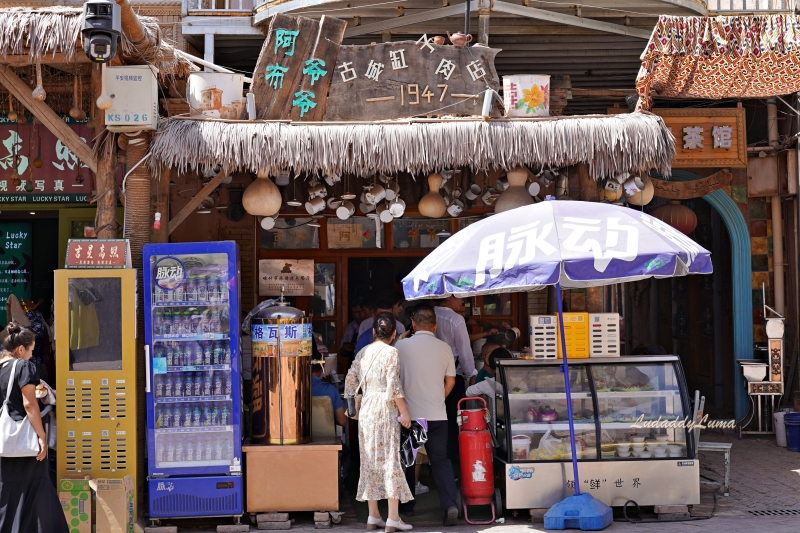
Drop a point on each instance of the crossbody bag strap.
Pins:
(10, 381)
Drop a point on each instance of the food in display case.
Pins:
(625, 393)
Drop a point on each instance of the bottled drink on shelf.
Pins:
(219, 448)
(190, 449)
(202, 288)
(216, 354)
(158, 322)
(191, 288)
(179, 450)
(168, 386)
(208, 353)
(197, 413)
(166, 328)
(198, 384)
(209, 452)
(160, 451)
(186, 323)
(177, 387)
(228, 382)
(225, 415)
(214, 414)
(218, 384)
(207, 414)
(186, 415)
(226, 359)
(170, 449)
(206, 383)
(188, 387)
(158, 385)
(179, 294)
(215, 326)
(197, 320)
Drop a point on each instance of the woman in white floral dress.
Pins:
(376, 370)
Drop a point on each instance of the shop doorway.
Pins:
(694, 316)
(368, 276)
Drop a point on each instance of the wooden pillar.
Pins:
(106, 152)
(483, 27)
(588, 193)
(159, 195)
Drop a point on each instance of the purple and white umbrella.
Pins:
(566, 244)
(576, 244)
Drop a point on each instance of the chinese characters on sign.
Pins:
(95, 253)
(707, 137)
(295, 276)
(16, 240)
(407, 78)
(296, 66)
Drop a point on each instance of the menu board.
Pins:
(15, 262)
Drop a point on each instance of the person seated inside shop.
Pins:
(487, 371)
(489, 385)
(319, 387)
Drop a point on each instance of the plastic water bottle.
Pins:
(218, 384)
(168, 383)
(225, 416)
(160, 451)
(226, 350)
(186, 414)
(209, 452)
(158, 322)
(206, 420)
(186, 323)
(216, 354)
(228, 381)
(158, 386)
(216, 325)
(188, 388)
(191, 288)
(198, 385)
(190, 449)
(179, 293)
(219, 449)
(215, 414)
(196, 414)
(178, 386)
(166, 327)
(179, 450)
(170, 450)
(206, 383)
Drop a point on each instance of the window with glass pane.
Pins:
(324, 289)
(327, 330)
(497, 305)
(629, 395)
(356, 232)
(419, 233)
(291, 234)
(538, 413)
(95, 324)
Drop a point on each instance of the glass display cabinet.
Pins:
(631, 438)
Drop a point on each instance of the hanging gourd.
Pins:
(39, 93)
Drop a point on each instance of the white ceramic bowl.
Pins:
(638, 447)
(645, 455)
(662, 438)
(674, 448)
(623, 447)
(625, 453)
(660, 454)
(637, 439)
(634, 453)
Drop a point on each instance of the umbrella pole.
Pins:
(565, 370)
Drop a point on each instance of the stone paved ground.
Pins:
(764, 477)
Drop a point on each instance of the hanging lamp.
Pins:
(676, 215)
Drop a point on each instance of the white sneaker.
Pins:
(421, 489)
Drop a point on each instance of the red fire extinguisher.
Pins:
(477, 471)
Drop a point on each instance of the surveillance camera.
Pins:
(102, 25)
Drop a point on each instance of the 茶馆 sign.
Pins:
(707, 137)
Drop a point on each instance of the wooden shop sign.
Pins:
(296, 66)
(707, 137)
(98, 253)
(684, 190)
(410, 78)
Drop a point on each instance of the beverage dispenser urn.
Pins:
(281, 347)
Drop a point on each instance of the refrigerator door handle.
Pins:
(148, 367)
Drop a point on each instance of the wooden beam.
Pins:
(47, 59)
(560, 18)
(189, 208)
(483, 27)
(408, 20)
(48, 117)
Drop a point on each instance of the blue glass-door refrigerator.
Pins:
(194, 430)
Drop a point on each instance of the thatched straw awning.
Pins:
(609, 144)
(43, 32)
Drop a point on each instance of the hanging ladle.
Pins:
(76, 112)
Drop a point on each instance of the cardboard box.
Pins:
(115, 513)
(75, 496)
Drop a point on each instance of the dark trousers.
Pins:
(451, 406)
(436, 448)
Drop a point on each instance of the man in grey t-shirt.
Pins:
(428, 373)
